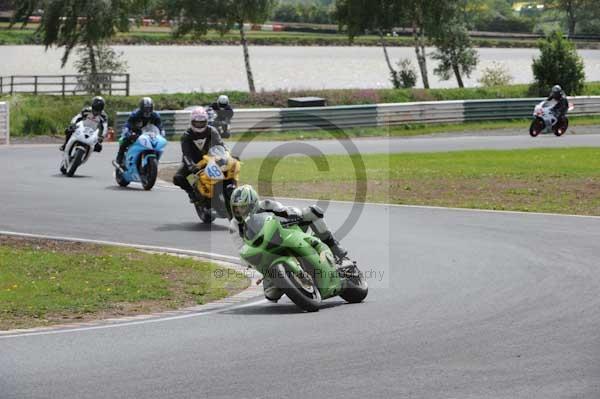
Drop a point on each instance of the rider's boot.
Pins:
(340, 253)
(121, 157)
(272, 293)
(68, 133)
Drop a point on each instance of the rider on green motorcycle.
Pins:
(245, 202)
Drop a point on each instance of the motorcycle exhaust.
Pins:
(118, 167)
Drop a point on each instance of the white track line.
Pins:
(209, 255)
(132, 323)
(165, 184)
(155, 318)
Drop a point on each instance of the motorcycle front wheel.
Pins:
(149, 175)
(301, 289)
(77, 158)
(536, 127)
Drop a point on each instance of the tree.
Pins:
(195, 16)
(378, 15)
(238, 12)
(558, 63)
(454, 52)
(73, 23)
(424, 16)
(108, 61)
(576, 10)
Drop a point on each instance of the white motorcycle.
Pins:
(80, 146)
(544, 120)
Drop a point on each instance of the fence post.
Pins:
(63, 85)
(110, 83)
(35, 85)
(12, 84)
(127, 85)
(1, 85)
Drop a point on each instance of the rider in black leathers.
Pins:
(195, 143)
(224, 113)
(562, 104)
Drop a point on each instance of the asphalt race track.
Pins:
(463, 304)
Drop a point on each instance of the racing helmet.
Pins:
(557, 92)
(97, 106)
(244, 202)
(199, 120)
(146, 107)
(223, 101)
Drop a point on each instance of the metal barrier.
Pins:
(4, 123)
(347, 117)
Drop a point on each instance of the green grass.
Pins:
(408, 130)
(162, 36)
(540, 180)
(48, 115)
(43, 283)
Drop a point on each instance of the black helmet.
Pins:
(97, 105)
(146, 106)
(557, 92)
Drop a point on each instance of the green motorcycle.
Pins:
(298, 263)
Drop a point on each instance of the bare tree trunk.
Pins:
(456, 70)
(572, 18)
(94, 69)
(385, 53)
(247, 58)
(421, 53)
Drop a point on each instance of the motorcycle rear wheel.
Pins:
(302, 290)
(561, 127)
(205, 215)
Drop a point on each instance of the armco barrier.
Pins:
(346, 117)
(4, 124)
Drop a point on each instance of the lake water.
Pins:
(170, 69)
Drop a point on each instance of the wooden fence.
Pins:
(106, 83)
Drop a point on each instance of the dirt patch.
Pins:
(67, 247)
(557, 195)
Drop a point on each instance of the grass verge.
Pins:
(541, 180)
(163, 36)
(408, 130)
(47, 282)
(48, 115)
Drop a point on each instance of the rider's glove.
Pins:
(98, 147)
(194, 169)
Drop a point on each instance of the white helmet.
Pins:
(223, 100)
(199, 120)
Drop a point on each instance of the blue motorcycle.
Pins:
(141, 160)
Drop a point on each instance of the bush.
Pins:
(495, 75)
(559, 64)
(405, 77)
